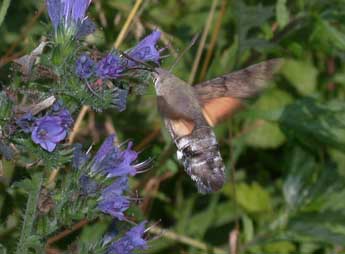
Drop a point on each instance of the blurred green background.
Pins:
(285, 152)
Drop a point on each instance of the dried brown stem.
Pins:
(203, 41)
(214, 38)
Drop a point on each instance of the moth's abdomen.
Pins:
(201, 158)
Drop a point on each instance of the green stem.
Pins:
(30, 213)
(3, 10)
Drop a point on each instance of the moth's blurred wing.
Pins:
(221, 97)
(180, 123)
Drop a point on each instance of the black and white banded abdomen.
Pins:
(199, 153)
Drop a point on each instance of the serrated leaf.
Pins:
(301, 74)
(301, 166)
(312, 122)
(311, 186)
(329, 35)
(317, 232)
(247, 18)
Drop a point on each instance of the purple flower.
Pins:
(123, 165)
(119, 99)
(146, 50)
(113, 204)
(69, 14)
(48, 132)
(106, 155)
(113, 162)
(65, 117)
(110, 67)
(85, 66)
(117, 187)
(133, 240)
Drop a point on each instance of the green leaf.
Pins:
(317, 232)
(328, 35)
(312, 122)
(248, 228)
(253, 197)
(312, 186)
(282, 247)
(301, 167)
(339, 158)
(3, 10)
(282, 13)
(220, 217)
(302, 75)
(247, 18)
(266, 134)
(5, 108)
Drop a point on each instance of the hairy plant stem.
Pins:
(30, 213)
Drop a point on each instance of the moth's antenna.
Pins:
(184, 51)
(148, 67)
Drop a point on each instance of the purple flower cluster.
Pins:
(111, 162)
(49, 130)
(70, 14)
(110, 67)
(131, 241)
(113, 66)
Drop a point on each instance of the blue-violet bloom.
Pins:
(85, 67)
(48, 132)
(113, 162)
(70, 15)
(133, 240)
(123, 164)
(145, 50)
(119, 98)
(113, 204)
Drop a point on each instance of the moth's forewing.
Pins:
(222, 96)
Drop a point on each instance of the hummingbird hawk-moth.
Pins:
(190, 112)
